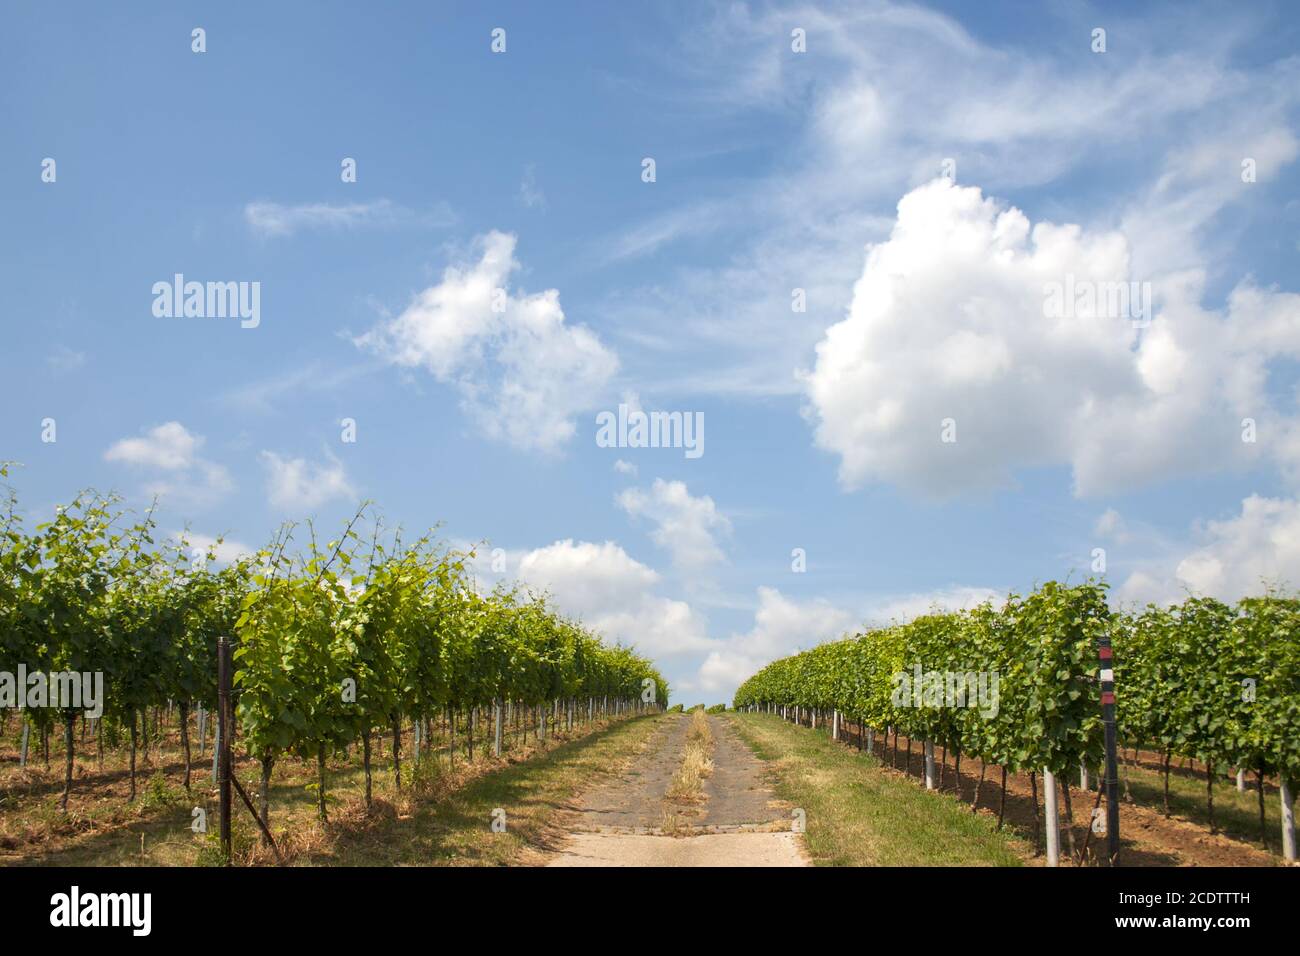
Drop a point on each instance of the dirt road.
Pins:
(632, 822)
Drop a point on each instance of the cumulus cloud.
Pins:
(169, 453)
(903, 608)
(781, 626)
(952, 319)
(294, 484)
(898, 89)
(685, 526)
(1236, 557)
(784, 626)
(224, 550)
(613, 594)
(170, 447)
(273, 219)
(522, 371)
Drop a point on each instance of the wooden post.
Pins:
(224, 715)
(929, 765)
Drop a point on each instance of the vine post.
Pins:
(496, 727)
(1111, 774)
(223, 730)
(1288, 817)
(1052, 818)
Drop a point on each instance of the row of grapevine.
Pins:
(1203, 680)
(333, 642)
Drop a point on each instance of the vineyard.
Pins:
(1020, 687)
(335, 644)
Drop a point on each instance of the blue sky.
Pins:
(775, 170)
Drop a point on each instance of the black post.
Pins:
(1112, 771)
(224, 725)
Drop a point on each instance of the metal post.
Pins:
(496, 732)
(223, 729)
(1053, 818)
(1288, 818)
(1112, 768)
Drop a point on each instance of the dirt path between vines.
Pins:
(632, 822)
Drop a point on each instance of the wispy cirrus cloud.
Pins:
(530, 194)
(272, 219)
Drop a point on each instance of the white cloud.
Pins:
(530, 194)
(170, 451)
(613, 594)
(1111, 526)
(265, 394)
(781, 625)
(784, 626)
(948, 321)
(685, 526)
(646, 238)
(906, 607)
(64, 359)
(1240, 556)
(625, 467)
(170, 447)
(885, 94)
(224, 551)
(294, 484)
(523, 373)
(272, 219)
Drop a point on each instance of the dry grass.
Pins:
(697, 762)
(439, 816)
(859, 814)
